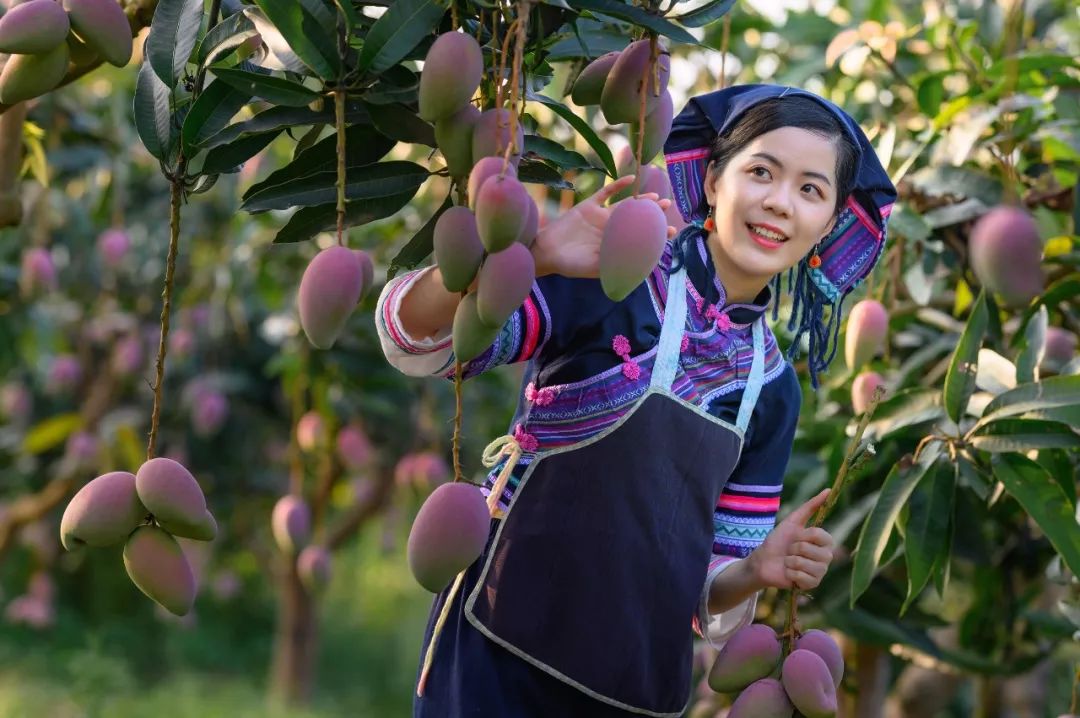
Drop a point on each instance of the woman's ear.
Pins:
(711, 177)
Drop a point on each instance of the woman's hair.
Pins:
(801, 112)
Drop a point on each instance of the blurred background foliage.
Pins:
(969, 105)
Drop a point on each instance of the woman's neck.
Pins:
(738, 287)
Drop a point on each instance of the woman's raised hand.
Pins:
(570, 244)
(794, 554)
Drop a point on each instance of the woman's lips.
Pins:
(763, 240)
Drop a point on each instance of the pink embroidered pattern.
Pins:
(524, 439)
(621, 345)
(685, 344)
(530, 392)
(546, 395)
(723, 322)
(630, 368)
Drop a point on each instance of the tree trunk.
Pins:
(872, 680)
(292, 677)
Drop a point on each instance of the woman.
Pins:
(655, 430)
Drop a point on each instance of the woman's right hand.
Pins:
(570, 244)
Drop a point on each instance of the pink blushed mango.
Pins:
(458, 249)
(505, 281)
(452, 71)
(329, 290)
(765, 698)
(448, 534)
(752, 653)
(867, 328)
(174, 497)
(862, 390)
(809, 684)
(290, 523)
(1005, 253)
(633, 242)
(103, 512)
(157, 565)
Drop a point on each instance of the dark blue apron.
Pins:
(596, 570)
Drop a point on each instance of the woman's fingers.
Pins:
(811, 551)
(801, 579)
(603, 194)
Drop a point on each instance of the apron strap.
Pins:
(671, 333)
(755, 380)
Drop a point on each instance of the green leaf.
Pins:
(1043, 499)
(217, 104)
(309, 221)
(589, 45)
(1060, 291)
(352, 18)
(931, 93)
(314, 43)
(174, 31)
(229, 157)
(368, 182)
(363, 146)
(926, 536)
(279, 118)
(153, 114)
(272, 89)
(641, 18)
(909, 407)
(227, 35)
(556, 153)
(1028, 62)
(709, 12)
(583, 128)
(960, 379)
(400, 123)
(1022, 435)
(1031, 354)
(420, 246)
(399, 30)
(51, 432)
(537, 172)
(875, 533)
(1051, 393)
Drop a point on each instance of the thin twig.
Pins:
(458, 368)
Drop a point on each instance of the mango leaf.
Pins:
(1022, 435)
(909, 407)
(1051, 393)
(926, 535)
(174, 31)
(878, 527)
(227, 35)
(960, 379)
(153, 114)
(314, 43)
(709, 12)
(1031, 354)
(363, 146)
(556, 153)
(398, 31)
(1043, 499)
(583, 128)
(367, 182)
(420, 246)
(309, 221)
(279, 118)
(217, 104)
(1028, 62)
(51, 432)
(587, 44)
(1062, 290)
(230, 157)
(537, 172)
(639, 17)
(931, 93)
(400, 123)
(277, 90)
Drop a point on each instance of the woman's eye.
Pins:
(759, 171)
(812, 188)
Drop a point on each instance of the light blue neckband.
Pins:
(671, 334)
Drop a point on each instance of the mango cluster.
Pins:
(43, 36)
(751, 664)
(144, 511)
(636, 232)
(448, 534)
(333, 282)
(290, 524)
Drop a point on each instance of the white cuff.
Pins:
(717, 629)
(411, 356)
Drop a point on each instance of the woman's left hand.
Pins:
(794, 555)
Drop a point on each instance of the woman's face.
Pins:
(772, 203)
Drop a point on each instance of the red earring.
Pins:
(814, 261)
(710, 223)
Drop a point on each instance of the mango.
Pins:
(653, 179)
(458, 249)
(34, 27)
(491, 135)
(633, 242)
(37, 271)
(502, 212)
(753, 652)
(532, 224)
(505, 280)
(113, 246)
(210, 409)
(64, 374)
(1058, 350)
(314, 568)
(103, 512)
(157, 565)
(329, 290)
(862, 390)
(454, 136)
(589, 85)
(448, 534)
(174, 497)
(486, 167)
(290, 523)
(367, 271)
(422, 470)
(471, 336)
(620, 100)
(16, 402)
(657, 127)
(353, 447)
(104, 27)
(867, 328)
(764, 698)
(1005, 252)
(809, 684)
(827, 649)
(25, 77)
(310, 431)
(452, 71)
(127, 356)
(82, 449)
